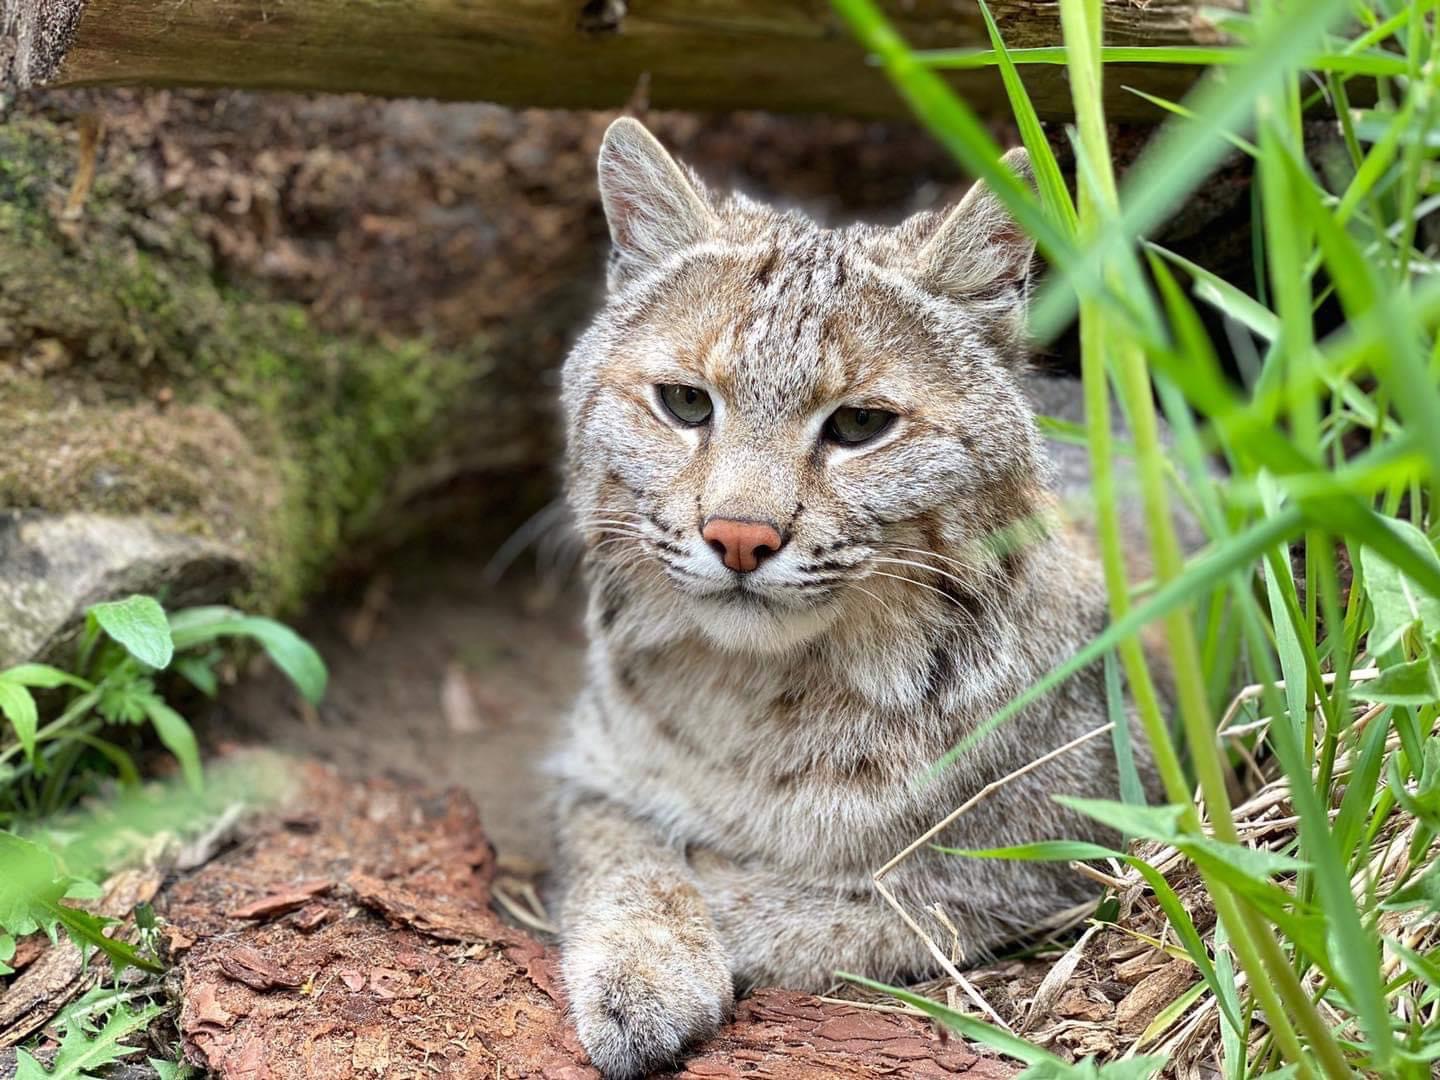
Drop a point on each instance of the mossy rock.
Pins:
(135, 385)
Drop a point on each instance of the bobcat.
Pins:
(794, 454)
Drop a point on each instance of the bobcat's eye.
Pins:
(851, 427)
(688, 404)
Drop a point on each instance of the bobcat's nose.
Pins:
(742, 545)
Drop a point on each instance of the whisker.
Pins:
(974, 587)
(549, 516)
(616, 526)
(938, 571)
(619, 539)
(615, 511)
(934, 555)
(923, 585)
(611, 521)
(876, 597)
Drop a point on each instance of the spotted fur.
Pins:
(744, 752)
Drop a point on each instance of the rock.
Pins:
(53, 566)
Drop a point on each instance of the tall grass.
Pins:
(1320, 582)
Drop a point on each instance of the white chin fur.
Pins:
(741, 627)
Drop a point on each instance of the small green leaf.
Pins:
(122, 698)
(1398, 601)
(7, 953)
(1424, 891)
(43, 677)
(139, 624)
(1151, 822)
(175, 733)
(81, 1054)
(1424, 801)
(1402, 684)
(17, 706)
(291, 653)
(170, 1070)
(30, 886)
(27, 1068)
(86, 929)
(199, 672)
(80, 889)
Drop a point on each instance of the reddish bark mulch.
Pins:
(352, 936)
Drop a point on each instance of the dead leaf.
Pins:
(457, 702)
(352, 979)
(1055, 980)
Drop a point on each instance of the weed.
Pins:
(124, 645)
(1326, 955)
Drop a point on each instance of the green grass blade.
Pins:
(952, 122)
(1203, 573)
(1054, 195)
(968, 1026)
(1183, 154)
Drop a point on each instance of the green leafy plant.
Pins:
(1320, 584)
(124, 646)
(84, 1047)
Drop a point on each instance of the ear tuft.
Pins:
(979, 250)
(653, 208)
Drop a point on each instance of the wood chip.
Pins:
(1153, 993)
(249, 966)
(283, 900)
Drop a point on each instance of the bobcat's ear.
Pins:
(979, 250)
(654, 209)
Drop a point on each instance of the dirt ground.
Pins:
(438, 675)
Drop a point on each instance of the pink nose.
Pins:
(742, 545)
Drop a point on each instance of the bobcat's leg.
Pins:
(779, 933)
(643, 965)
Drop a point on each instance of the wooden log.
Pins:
(782, 55)
(413, 974)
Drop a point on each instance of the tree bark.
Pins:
(353, 975)
(784, 55)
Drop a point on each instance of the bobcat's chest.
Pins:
(770, 761)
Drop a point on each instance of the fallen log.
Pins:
(351, 936)
(786, 55)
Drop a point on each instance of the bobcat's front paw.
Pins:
(642, 990)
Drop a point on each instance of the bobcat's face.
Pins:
(777, 420)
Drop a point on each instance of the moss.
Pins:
(130, 380)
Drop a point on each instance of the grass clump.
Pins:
(1321, 579)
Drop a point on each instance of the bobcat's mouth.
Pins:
(748, 617)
